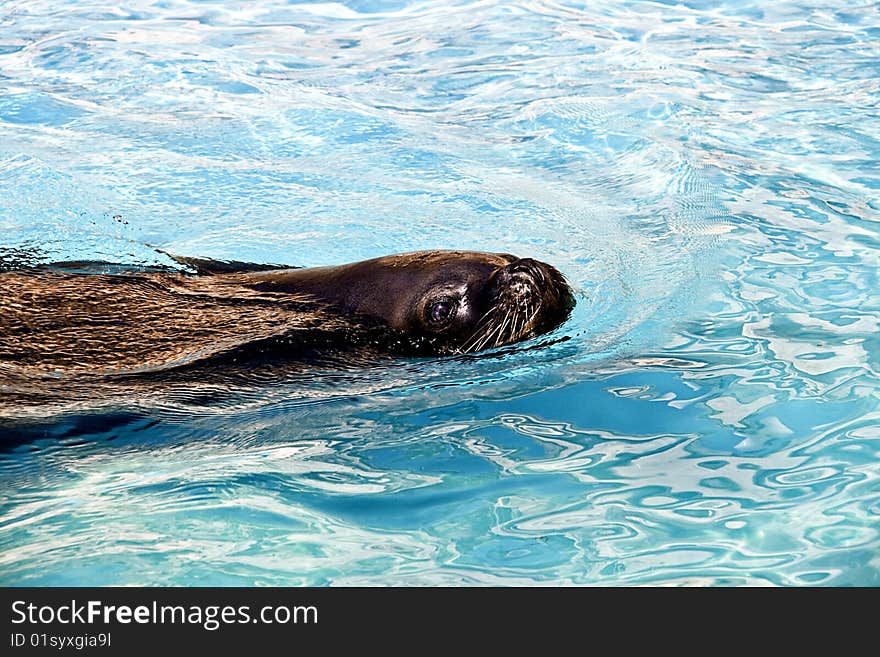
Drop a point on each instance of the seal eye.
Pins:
(440, 312)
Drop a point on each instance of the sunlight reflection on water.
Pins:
(704, 173)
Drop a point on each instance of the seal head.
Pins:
(440, 302)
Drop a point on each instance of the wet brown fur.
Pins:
(55, 323)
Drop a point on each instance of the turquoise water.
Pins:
(705, 174)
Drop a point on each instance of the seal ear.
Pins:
(209, 267)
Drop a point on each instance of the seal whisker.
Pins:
(477, 339)
(485, 338)
(513, 325)
(532, 316)
(483, 326)
(518, 325)
(485, 321)
(522, 324)
(490, 333)
(500, 333)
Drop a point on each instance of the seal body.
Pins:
(66, 324)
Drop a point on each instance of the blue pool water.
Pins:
(707, 174)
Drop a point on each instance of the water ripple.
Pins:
(704, 173)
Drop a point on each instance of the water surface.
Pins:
(705, 174)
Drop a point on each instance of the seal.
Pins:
(74, 320)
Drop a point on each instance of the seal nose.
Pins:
(528, 267)
(522, 279)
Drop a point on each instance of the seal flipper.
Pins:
(209, 267)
